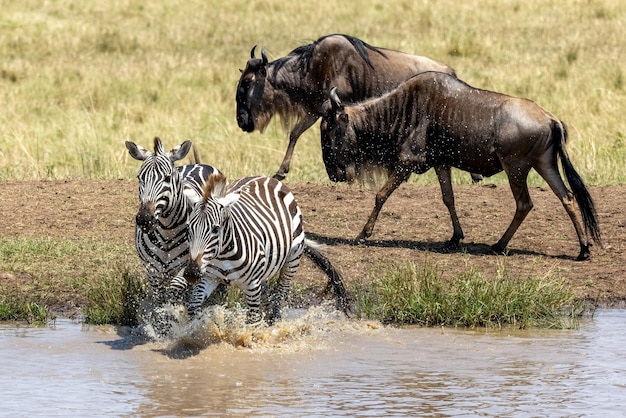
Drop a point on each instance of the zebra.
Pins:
(166, 197)
(245, 233)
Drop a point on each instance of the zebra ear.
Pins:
(179, 152)
(135, 151)
(228, 200)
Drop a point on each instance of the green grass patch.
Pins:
(412, 294)
(104, 283)
(42, 275)
(16, 309)
(116, 300)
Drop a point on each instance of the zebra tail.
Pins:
(335, 281)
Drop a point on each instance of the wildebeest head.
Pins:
(250, 91)
(159, 181)
(339, 147)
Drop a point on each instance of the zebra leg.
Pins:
(154, 311)
(200, 293)
(177, 289)
(157, 289)
(254, 291)
(282, 286)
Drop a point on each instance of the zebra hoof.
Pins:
(193, 314)
(254, 319)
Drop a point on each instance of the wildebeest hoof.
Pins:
(361, 239)
(585, 254)
(498, 249)
(451, 246)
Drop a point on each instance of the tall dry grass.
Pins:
(77, 79)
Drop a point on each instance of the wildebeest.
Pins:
(436, 120)
(296, 86)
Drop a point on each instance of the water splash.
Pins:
(226, 327)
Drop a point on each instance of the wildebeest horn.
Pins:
(252, 52)
(334, 98)
(263, 56)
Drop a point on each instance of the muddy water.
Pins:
(314, 365)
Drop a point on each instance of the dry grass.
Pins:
(78, 80)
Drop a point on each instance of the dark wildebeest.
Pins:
(435, 120)
(296, 86)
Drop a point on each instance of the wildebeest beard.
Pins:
(342, 166)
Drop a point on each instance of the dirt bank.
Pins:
(412, 226)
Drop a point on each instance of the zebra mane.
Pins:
(215, 187)
(158, 146)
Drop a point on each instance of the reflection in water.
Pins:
(316, 365)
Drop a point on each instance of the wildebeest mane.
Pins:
(304, 53)
(300, 60)
(295, 86)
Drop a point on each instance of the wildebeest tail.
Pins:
(581, 194)
(335, 281)
(196, 157)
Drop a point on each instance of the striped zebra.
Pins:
(166, 196)
(244, 234)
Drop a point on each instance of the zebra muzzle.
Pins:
(192, 273)
(145, 218)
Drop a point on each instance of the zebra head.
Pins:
(160, 184)
(208, 230)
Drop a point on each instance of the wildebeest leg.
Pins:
(395, 179)
(295, 133)
(476, 178)
(551, 175)
(523, 204)
(445, 182)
